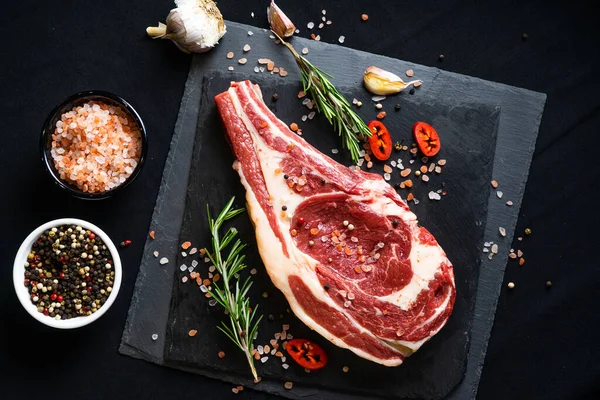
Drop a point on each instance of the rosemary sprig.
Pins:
(331, 103)
(242, 326)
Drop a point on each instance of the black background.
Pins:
(544, 342)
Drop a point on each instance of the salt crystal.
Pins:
(341, 39)
(164, 260)
(203, 288)
(250, 33)
(264, 359)
(377, 99)
(434, 196)
(230, 68)
(193, 251)
(347, 303)
(184, 279)
(495, 248)
(194, 263)
(183, 254)
(304, 117)
(311, 115)
(502, 231)
(486, 250)
(252, 14)
(488, 244)
(154, 336)
(285, 366)
(393, 163)
(334, 151)
(190, 269)
(310, 25)
(360, 162)
(387, 176)
(212, 302)
(156, 254)
(499, 194)
(256, 69)
(183, 267)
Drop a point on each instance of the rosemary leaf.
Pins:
(229, 261)
(331, 103)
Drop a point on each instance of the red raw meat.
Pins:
(342, 246)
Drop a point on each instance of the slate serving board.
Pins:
(469, 137)
(520, 115)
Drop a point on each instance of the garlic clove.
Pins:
(382, 82)
(280, 23)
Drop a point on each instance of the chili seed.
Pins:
(441, 57)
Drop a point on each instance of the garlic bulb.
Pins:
(381, 82)
(195, 26)
(280, 23)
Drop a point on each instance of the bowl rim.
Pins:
(47, 130)
(23, 293)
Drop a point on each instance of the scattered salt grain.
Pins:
(194, 263)
(212, 303)
(264, 359)
(434, 196)
(509, 203)
(321, 25)
(305, 50)
(203, 288)
(285, 366)
(499, 194)
(230, 68)
(311, 115)
(341, 39)
(488, 244)
(304, 118)
(242, 61)
(495, 248)
(246, 48)
(252, 14)
(253, 271)
(184, 279)
(486, 250)
(387, 176)
(193, 250)
(164, 260)
(183, 254)
(250, 33)
(256, 69)
(310, 25)
(502, 231)
(154, 336)
(182, 267)
(334, 151)
(156, 254)
(377, 99)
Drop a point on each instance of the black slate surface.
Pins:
(520, 116)
(458, 221)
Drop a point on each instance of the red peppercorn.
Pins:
(125, 243)
(59, 298)
(300, 220)
(92, 235)
(46, 311)
(88, 278)
(89, 288)
(26, 281)
(53, 296)
(83, 309)
(61, 275)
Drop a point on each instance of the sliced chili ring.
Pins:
(307, 354)
(427, 138)
(380, 140)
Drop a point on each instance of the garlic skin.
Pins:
(280, 23)
(382, 82)
(195, 26)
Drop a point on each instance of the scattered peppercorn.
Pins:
(125, 243)
(527, 231)
(300, 220)
(397, 107)
(286, 176)
(397, 146)
(511, 285)
(411, 91)
(284, 208)
(441, 57)
(323, 181)
(364, 17)
(70, 274)
(548, 284)
(275, 96)
(524, 36)
(395, 223)
(326, 287)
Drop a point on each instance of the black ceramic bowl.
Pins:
(67, 105)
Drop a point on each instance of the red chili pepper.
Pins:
(427, 138)
(306, 353)
(380, 140)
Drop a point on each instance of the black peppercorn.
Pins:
(286, 176)
(275, 96)
(441, 57)
(411, 91)
(326, 287)
(397, 107)
(284, 208)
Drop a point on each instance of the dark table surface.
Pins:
(544, 341)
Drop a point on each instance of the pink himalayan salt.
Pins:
(96, 146)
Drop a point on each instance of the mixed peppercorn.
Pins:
(69, 272)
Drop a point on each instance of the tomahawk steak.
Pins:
(342, 246)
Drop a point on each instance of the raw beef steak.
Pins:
(341, 245)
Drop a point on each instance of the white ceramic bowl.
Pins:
(23, 292)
